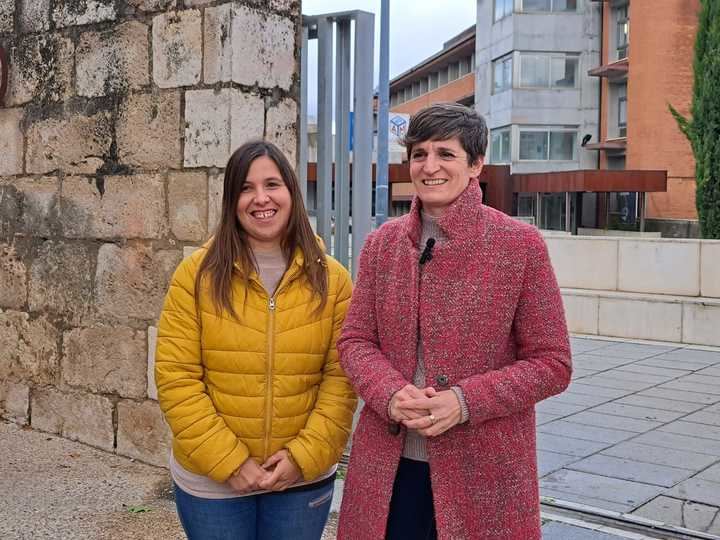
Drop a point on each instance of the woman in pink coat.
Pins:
(455, 330)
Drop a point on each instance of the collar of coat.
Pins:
(461, 220)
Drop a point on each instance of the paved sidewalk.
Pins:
(637, 432)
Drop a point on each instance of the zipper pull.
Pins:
(271, 304)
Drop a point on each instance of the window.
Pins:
(622, 32)
(442, 77)
(538, 6)
(423, 86)
(502, 74)
(544, 145)
(433, 81)
(503, 8)
(622, 117)
(534, 70)
(500, 145)
(548, 70)
(464, 66)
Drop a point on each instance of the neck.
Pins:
(264, 247)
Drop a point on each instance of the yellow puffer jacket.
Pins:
(232, 389)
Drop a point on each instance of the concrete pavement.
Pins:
(637, 433)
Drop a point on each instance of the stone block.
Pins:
(132, 281)
(112, 61)
(584, 263)
(263, 49)
(177, 48)
(13, 278)
(659, 266)
(291, 6)
(640, 319)
(76, 13)
(34, 16)
(217, 61)
(218, 122)
(142, 432)
(7, 12)
(187, 251)
(153, 5)
(10, 209)
(11, 142)
(701, 322)
(710, 268)
(187, 202)
(581, 313)
(152, 334)
(41, 67)
(105, 360)
(119, 207)
(81, 417)
(14, 402)
(149, 132)
(76, 144)
(39, 205)
(281, 128)
(215, 194)
(61, 280)
(28, 348)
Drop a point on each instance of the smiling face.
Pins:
(440, 172)
(264, 205)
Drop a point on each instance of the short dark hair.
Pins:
(443, 121)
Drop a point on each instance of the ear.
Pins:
(476, 168)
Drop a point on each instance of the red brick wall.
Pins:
(453, 91)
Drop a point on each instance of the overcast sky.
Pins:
(418, 29)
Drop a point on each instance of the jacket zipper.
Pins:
(269, 376)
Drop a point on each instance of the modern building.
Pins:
(532, 86)
(448, 75)
(646, 65)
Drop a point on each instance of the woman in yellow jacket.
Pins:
(246, 367)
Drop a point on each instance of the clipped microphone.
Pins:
(426, 255)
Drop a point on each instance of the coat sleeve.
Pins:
(319, 445)
(199, 431)
(543, 365)
(372, 375)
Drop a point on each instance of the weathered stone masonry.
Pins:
(118, 118)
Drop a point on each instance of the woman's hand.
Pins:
(248, 477)
(441, 412)
(285, 473)
(397, 412)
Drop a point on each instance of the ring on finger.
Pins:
(432, 419)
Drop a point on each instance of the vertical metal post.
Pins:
(538, 209)
(381, 179)
(641, 209)
(324, 130)
(568, 208)
(362, 133)
(342, 141)
(303, 150)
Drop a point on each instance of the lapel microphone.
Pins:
(427, 252)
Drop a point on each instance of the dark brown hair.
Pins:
(229, 245)
(444, 121)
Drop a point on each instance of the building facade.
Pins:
(647, 65)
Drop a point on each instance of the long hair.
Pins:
(229, 248)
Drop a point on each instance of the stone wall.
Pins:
(118, 118)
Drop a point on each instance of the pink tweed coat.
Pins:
(491, 320)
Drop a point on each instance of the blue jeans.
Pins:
(288, 515)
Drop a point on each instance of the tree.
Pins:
(703, 128)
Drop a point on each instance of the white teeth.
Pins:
(434, 181)
(264, 215)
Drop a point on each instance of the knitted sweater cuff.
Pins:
(464, 412)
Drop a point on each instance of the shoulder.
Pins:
(187, 270)
(514, 231)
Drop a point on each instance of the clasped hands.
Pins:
(425, 410)
(277, 474)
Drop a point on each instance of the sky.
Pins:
(418, 29)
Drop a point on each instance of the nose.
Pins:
(261, 196)
(431, 163)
